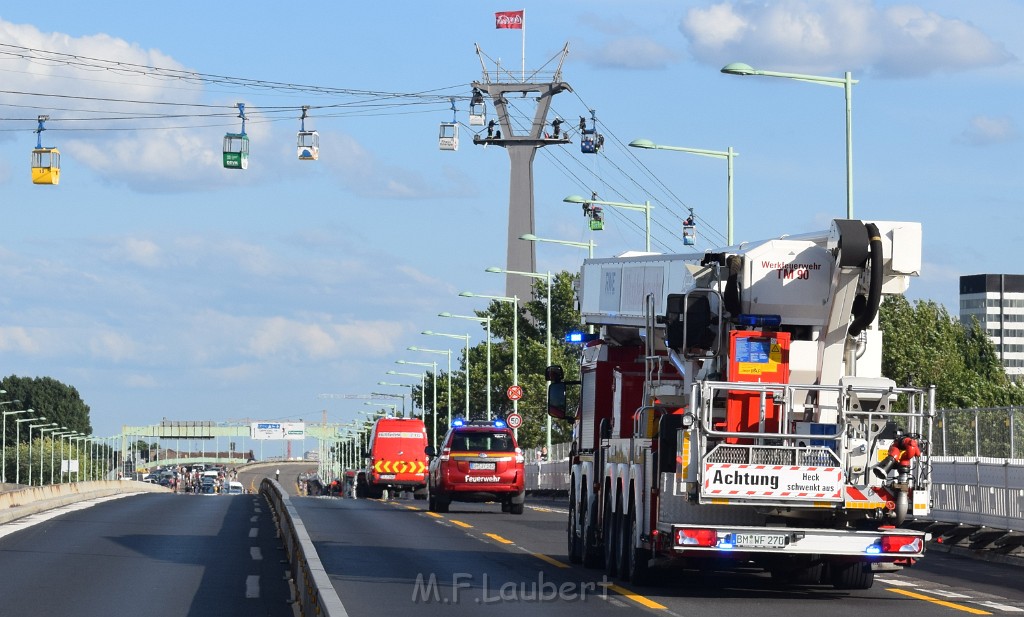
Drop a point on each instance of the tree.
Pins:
(60, 403)
(532, 347)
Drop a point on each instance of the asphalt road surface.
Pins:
(394, 558)
(151, 554)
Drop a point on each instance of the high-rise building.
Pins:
(997, 301)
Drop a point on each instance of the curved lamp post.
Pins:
(583, 245)
(845, 82)
(486, 320)
(514, 300)
(728, 155)
(3, 440)
(30, 427)
(17, 448)
(546, 277)
(447, 352)
(461, 337)
(645, 208)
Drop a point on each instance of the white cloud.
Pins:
(137, 251)
(631, 52)
(838, 35)
(18, 339)
(987, 130)
(113, 346)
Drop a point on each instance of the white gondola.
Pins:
(307, 142)
(448, 137)
(477, 114)
(308, 145)
(477, 109)
(689, 231)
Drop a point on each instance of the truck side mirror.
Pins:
(430, 451)
(554, 374)
(557, 407)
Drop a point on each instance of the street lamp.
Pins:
(545, 276)
(514, 300)
(394, 408)
(423, 394)
(30, 427)
(728, 155)
(845, 82)
(583, 245)
(3, 442)
(466, 338)
(645, 208)
(17, 447)
(486, 320)
(56, 433)
(447, 352)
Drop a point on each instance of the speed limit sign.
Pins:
(514, 420)
(515, 393)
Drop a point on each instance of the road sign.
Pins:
(514, 420)
(515, 393)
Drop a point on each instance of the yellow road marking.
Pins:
(959, 607)
(412, 508)
(461, 524)
(434, 514)
(551, 560)
(495, 536)
(639, 599)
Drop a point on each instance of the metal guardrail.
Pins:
(315, 595)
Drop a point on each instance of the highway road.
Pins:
(151, 554)
(391, 558)
(166, 554)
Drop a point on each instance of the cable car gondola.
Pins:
(308, 141)
(236, 145)
(448, 135)
(596, 218)
(689, 230)
(45, 161)
(477, 109)
(590, 140)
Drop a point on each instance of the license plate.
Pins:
(760, 540)
(482, 466)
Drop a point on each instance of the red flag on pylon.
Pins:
(512, 20)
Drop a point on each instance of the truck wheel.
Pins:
(856, 575)
(636, 569)
(624, 543)
(574, 543)
(609, 533)
(592, 555)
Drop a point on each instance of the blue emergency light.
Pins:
(458, 422)
(499, 423)
(759, 321)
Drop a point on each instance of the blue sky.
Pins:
(161, 285)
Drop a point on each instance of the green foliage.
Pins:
(532, 360)
(56, 401)
(925, 345)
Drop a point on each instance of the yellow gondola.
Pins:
(45, 161)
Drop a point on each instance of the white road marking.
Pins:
(254, 532)
(35, 519)
(947, 594)
(253, 519)
(1001, 607)
(255, 553)
(897, 582)
(252, 586)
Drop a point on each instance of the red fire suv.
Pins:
(479, 461)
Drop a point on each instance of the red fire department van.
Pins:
(396, 460)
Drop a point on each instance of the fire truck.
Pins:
(731, 408)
